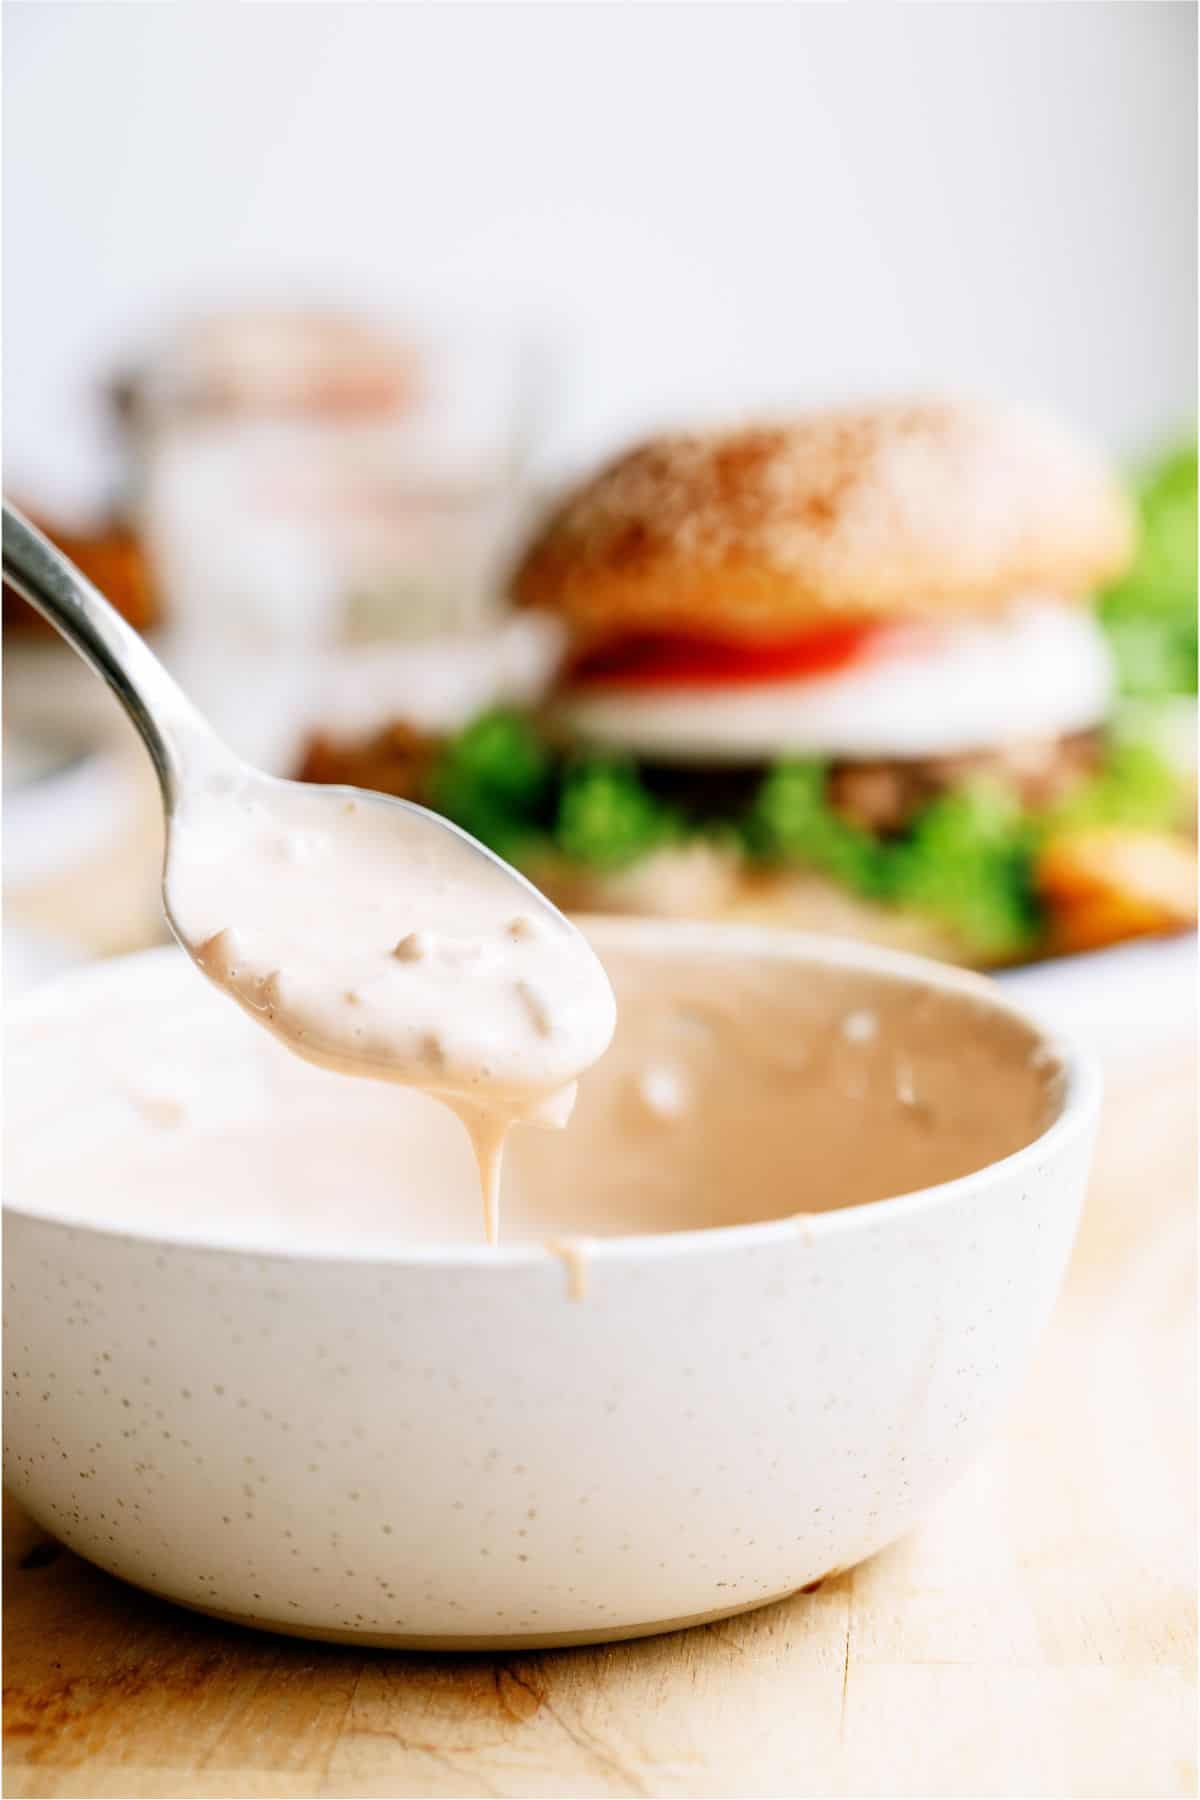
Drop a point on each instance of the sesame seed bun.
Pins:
(898, 511)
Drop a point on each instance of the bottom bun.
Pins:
(700, 881)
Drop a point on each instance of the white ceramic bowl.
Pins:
(433, 1445)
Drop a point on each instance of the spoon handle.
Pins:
(169, 724)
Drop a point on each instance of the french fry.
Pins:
(1104, 885)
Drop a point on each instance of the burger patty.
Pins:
(881, 796)
(884, 796)
(397, 760)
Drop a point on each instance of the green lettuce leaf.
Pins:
(792, 821)
(1135, 786)
(497, 779)
(1150, 614)
(607, 818)
(968, 862)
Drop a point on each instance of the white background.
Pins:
(716, 207)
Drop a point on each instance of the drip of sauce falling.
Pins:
(375, 944)
(487, 1134)
(573, 1253)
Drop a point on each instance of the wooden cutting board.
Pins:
(1035, 1637)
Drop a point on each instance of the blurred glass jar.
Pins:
(315, 476)
(312, 483)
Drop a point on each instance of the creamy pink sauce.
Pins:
(374, 943)
(735, 1090)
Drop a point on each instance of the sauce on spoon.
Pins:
(370, 936)
(375, 942)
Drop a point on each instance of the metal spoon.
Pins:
(199, 773)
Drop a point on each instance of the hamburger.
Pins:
(841, 672)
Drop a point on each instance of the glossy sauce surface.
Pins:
(737, 1090)
(373, 942)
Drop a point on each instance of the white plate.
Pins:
(1121, 1003)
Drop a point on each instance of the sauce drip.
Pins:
(373, 942)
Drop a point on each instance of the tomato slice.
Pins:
(678, 659)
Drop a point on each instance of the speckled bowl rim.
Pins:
(1078, 1110)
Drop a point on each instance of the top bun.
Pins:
(895, 511)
